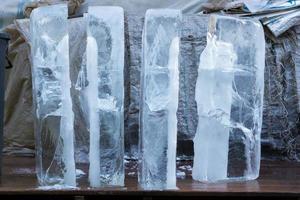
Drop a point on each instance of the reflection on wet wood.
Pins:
(277, 178)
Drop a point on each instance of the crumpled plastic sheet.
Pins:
(10, 10)
(277, 15)
(280, 133)
(280, 23)
(73, 5)
(255, 6)
(18, 120)
(18, 9)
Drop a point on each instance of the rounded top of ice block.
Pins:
(106, 26)
(49, 18)
(105, 11)
(163, 12)
(219, 24)
(48, 10)
(245, 35)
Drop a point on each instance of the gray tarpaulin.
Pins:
(281, 114)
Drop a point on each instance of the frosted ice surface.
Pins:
(51, 93)
(229, 96)
(160, 87)
(105, 95)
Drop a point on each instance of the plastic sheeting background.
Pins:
(270, 5)
(18, 9)
(18, 120)
(280, 131)
(10, 10)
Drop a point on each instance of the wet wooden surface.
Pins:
(278, 178)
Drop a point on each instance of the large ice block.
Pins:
(229, 96)
(105, 95)
(51, 93)
(159, 99)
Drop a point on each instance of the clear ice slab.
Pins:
(229, 96)
(105, 95)
(159, 99)
(54, 116)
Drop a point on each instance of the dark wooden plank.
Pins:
(278, 178)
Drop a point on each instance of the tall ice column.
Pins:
(105, 95)
(159, 99)
(54, 128)
(229, 96)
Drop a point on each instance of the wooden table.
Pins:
(278, 180)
